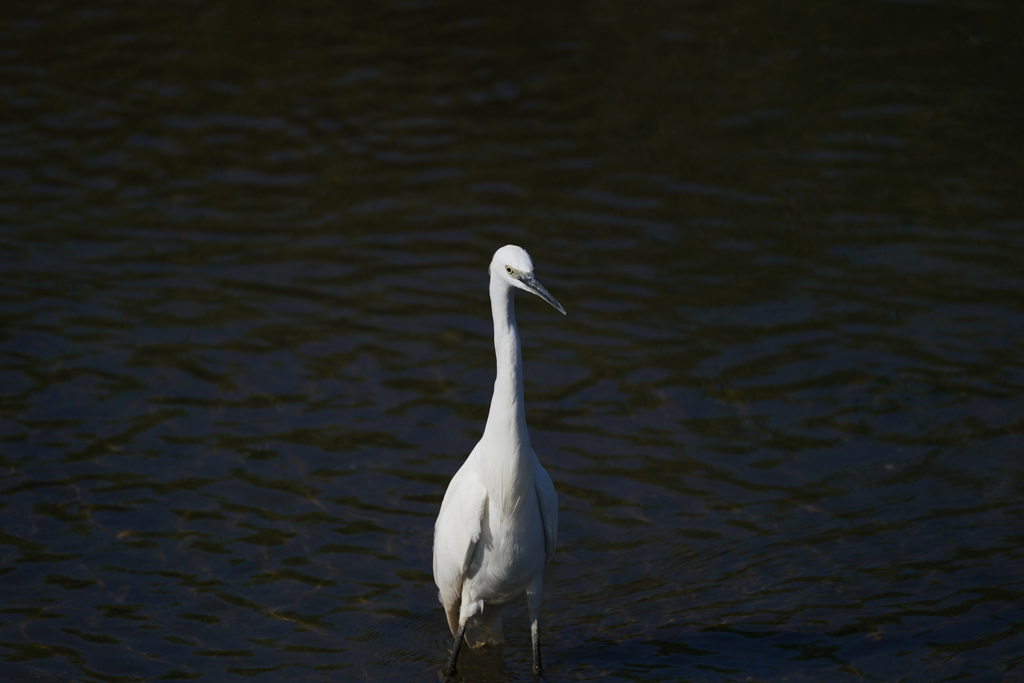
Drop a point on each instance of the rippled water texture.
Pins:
(245, 339)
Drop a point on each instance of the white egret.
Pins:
(499, 519)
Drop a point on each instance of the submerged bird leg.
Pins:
(449, 670)
(535, 630)
(533, 594)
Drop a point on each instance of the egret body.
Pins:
(499, 519)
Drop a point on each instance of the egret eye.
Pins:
(509, 270)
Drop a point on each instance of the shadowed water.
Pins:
(245, 339)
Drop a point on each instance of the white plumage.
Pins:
(498, 522)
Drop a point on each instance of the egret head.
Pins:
(512, 265)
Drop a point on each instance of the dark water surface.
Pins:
(245, 338)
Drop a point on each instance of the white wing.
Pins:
(455, 535)
(548, 500)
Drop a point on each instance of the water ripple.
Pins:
(244, 336)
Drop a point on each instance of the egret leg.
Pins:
(449, 670)
(535, 631)
(533, 594)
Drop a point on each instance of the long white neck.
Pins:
(506, 440)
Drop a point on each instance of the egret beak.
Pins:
(537, 288)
